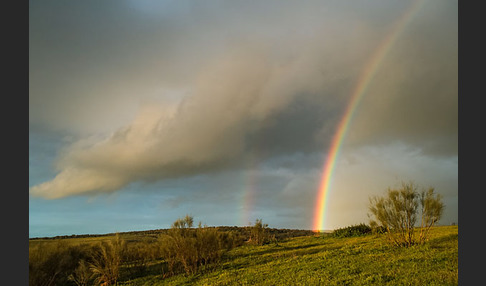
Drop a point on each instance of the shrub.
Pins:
(397, 213)
(350, 231)
(82, 274)
(50, 263)
(106, 261)
(258, 234)
(377, 229)
(187, 249)
(432, 209)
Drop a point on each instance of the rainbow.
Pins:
(364, 80)
(250, 187)
(248, 198)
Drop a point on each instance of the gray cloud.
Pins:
(414, 96)
(157, 95)
(226, 115)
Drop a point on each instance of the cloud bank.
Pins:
(207, 89)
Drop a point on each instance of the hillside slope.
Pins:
(318, 260)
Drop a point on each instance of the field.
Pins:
(306, 260)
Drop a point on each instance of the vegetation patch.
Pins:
(354, 230)
(304, 260)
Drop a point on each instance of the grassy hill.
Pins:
(307, 260)
(318, 260)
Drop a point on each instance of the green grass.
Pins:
(318, 260)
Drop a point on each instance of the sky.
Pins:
(141, 112)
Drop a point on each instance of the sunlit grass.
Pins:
(317, 260)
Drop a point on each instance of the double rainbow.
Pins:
(364, 80)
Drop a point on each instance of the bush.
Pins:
(186, 249)
(106, 261)
(51, 263)
(82, 274)
(398, 211)
(259, 234)
(351, 231)
(377, 229)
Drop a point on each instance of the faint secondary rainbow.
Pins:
(250, 184)
(364, 80)
(248, 198)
